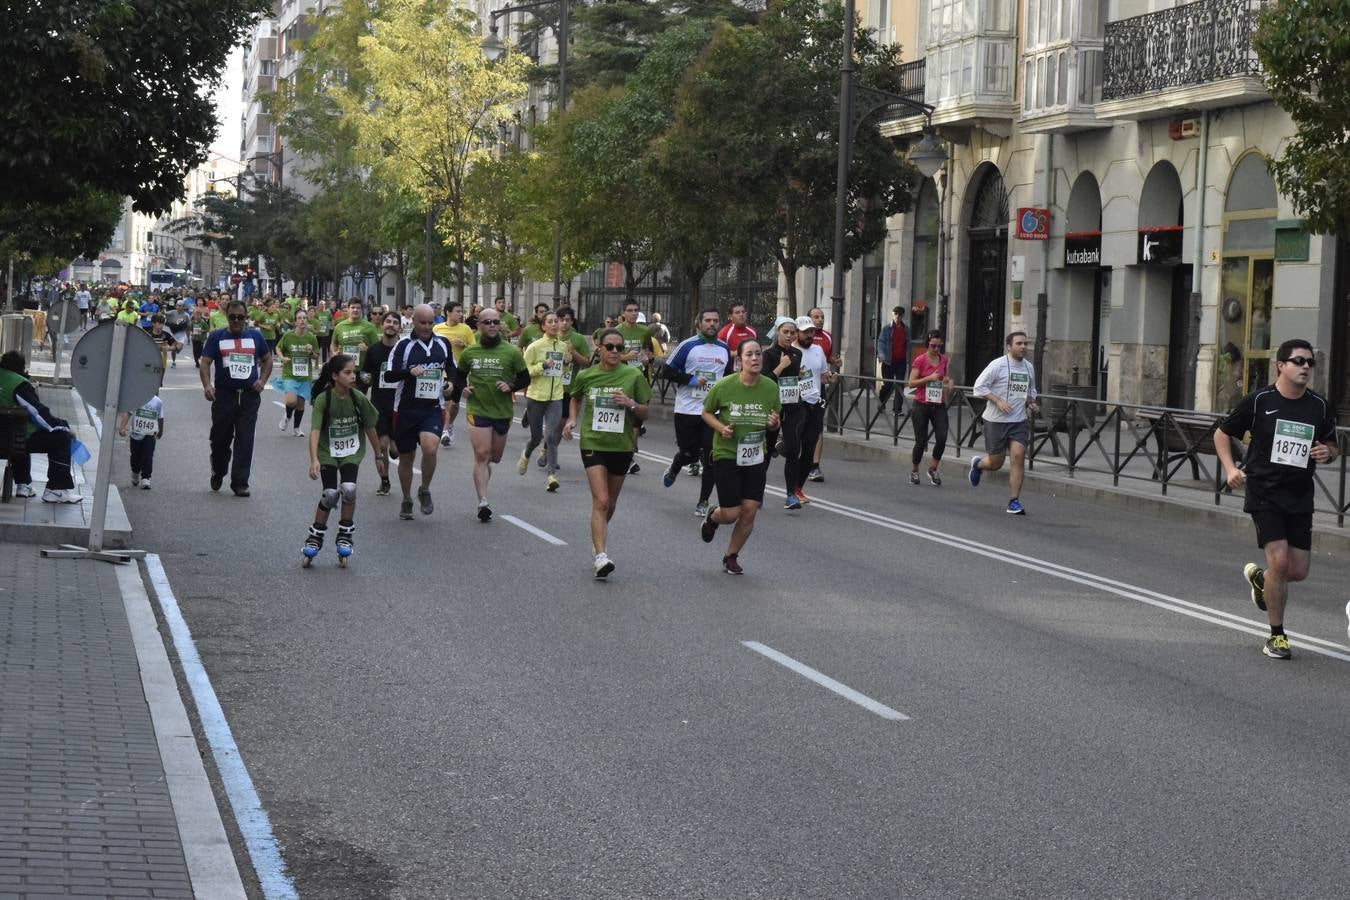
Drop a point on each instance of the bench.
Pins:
(13, 441)
(1181, 436)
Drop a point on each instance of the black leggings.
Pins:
(694, 439)
(812, 425)
(922, 415)
(790, 423)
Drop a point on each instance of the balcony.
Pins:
(1061, 87)
(901, 121)
(1196, 56)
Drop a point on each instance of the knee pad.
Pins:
(329, 498)
(349, 491)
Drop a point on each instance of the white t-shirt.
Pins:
(150, 409)
(814, 367)
(1013, 382)
(83, 299)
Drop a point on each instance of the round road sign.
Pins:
(142, 367)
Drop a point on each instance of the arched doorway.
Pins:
(1246, 282)
(986, 273)
(1163, 278)
(1085, 278)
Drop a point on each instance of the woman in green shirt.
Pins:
(608, 399)
(298, 351)
(740, 409)
(344, 426)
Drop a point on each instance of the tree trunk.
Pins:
(459, 268)
(401, 284)
(429, 250)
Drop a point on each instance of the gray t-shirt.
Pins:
(1013, 382)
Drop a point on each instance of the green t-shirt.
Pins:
(322, 322)
(342, 434)
(746, 409)
(348, 337)
(200, 328)
(266, 322)
(531, 334)
(606, 426)
(580, 345)
(509, 323)
(487, 366)
(636, 337)
(218, 319)
(292, 303)
(302, 350)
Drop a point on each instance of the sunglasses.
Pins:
(1301, 361)
(490, 321)
(236, 318)
(936, 346)
(617, 348)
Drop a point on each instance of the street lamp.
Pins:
(493, 50)
(856, 104)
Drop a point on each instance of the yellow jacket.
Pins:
(546, 387)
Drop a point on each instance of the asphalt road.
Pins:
(464, 712)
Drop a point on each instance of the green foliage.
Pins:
(54, 233)
(268, 223)
(1304, 47)
(112, 95)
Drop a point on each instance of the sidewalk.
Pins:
(103, 792)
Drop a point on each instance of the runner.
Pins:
(736, 330)
(298, 351)
(695, 366)
(547, 360)
(740, 409)
(535, 329)
(510, 325)
(147, 428)
(1009, 384)
(199, 327)
(164, 338)
(83, 299)
(1292, 429)
(488, 373)
(376, 367)
(353, 335)
(460, 335)
(243, 363)
(783, 363)
(813, 375)
(639, 351)
(267, 320)
(825, 341)
(417, 366)
(322, 320)
(932, 388)
(344, 426)
(607, 399)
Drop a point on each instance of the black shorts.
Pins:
(736, 484)
(410, 424)
(384, 426)
(501, 426)
(330, 475)
(1278, 525)
(692, 434)
(615, 462)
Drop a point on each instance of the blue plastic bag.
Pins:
(79, 453)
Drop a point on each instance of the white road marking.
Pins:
(537, 532)
(254, 825)
(827, 682)
(1067, 573)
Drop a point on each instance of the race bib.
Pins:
(1292, 444)
(351, 349)
(709, 377)
(143, 422)
(807, 383)
(240, 365)
(789, 390)
(300, 366)
(1018, 384)
(384, 375)
(428, 385)
(553, 364)
(567, 376)
(932, 392)
(343, 442)
(606, 416)
(750, 449)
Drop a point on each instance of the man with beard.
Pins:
(243, 363)
(417, 367)
(376, 371)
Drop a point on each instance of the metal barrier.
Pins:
(1072, 435)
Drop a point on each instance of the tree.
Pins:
(434, 107)
(1304, 47)
(757, 116)
(268, 223)
(43, 237)
(112, 95)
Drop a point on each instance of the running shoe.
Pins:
(695, 469)
(913, 477)
(603, 566)
(65, 496)
(240, 491)
(801, 497)
(668, 477)
(552, 483)
(975, 471)
(701, 510)
(446, 440)
(145, 484)
(815, 475)
(791, 502)
(135, 479)
(731, 566)
(484, 512)
(286, 420)
(405, 509)
(298, 432)
(24, 490)
(1277, 647)
(1256, 578)
(424, 500)
(934, 476)
(709, 529)
(1015, 508)
(523, 464)
(634, 469)
(217, 481)
(383, 489)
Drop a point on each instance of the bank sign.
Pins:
(1082, 249)
(1160, 245)
(1033, 224)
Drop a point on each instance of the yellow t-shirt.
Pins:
(452, 333)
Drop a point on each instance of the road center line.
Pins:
(1078, 576)
(254, 825)
(537, 532)
(827, 682)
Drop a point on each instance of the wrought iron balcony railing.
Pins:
(1192, 44)
(911, 79)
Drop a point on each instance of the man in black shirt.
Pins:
(1292, 429)
(376, 366)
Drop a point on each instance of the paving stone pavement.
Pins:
(84, 805)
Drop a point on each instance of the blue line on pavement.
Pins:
(254, 825)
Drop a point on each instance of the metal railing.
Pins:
(1195, 43)
(1078, 436)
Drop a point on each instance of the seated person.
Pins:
(46, 434)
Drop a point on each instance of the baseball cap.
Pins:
(804, 322)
